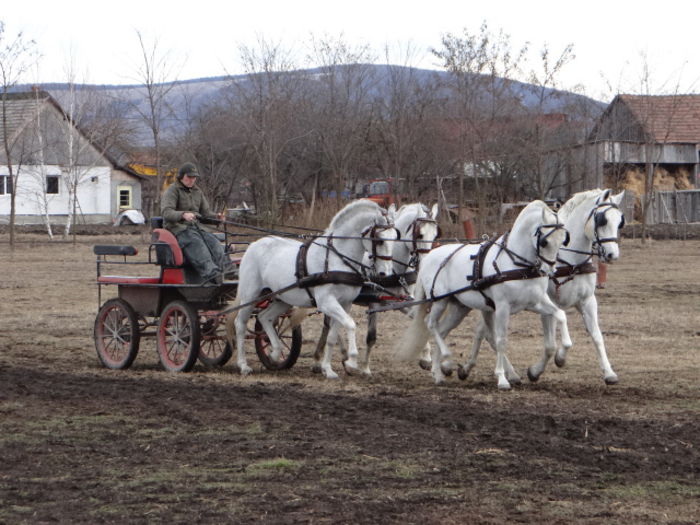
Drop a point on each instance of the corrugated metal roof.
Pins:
(20, 109)
(667, 118)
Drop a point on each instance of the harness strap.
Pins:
(443, 263)
(570, 271)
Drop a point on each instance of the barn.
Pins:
(638, 135)
(48, 160)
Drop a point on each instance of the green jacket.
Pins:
(178, 199)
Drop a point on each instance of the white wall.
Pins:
(93, 197)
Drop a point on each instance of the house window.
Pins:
(51, 184)
(124, 197)
(5, 185)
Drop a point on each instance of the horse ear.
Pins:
(392, 208)
(617, 199)
(434, 211)
(606, 195)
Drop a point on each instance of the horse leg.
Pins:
(449, 320)
(566, 344)
(589, 310)
(331, 340)
(549, 331)
(441, 353)
(267, 317)
(341, 318)
(552, 316)
(240, 323)
(500, 339)
(321, 345)
(370, 340)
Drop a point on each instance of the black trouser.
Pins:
(202, 251)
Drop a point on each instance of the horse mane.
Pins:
(536, 204)
(570, 205)
(352, 209)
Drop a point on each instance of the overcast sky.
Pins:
(612, 39)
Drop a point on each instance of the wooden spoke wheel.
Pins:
(214, 350)
(291, 344)
(177, 339)
(116, 334)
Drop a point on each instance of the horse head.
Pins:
(419, 229)
(546, 234)
(603, 225)
(550, 236)
(378, 242)
(365, 230)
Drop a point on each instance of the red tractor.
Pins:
(381, 191)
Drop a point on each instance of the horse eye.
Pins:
(419, 236)
(379, 243)
(543, 243)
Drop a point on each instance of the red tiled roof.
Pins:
(667, 118)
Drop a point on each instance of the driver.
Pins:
(182, 206)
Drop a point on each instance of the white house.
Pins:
(53, 160)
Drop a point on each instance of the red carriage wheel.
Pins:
(214, 350)
(290, 349)
(116, 334)
(177, 339)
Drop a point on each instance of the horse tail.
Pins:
(231, 323)
(416, 337)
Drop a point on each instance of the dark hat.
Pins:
(188, 169)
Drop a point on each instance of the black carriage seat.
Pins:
(125, 250)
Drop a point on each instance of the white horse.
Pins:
(593, 219)
(500, 278)
(418, 228)
(326, 272)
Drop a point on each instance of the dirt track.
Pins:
(82, 444)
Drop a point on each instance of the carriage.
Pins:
(186, 317)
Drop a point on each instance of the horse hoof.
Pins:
(447, 368)
(559, 361)
(532, 377)
(504, 386)
(316, 368)
(462, 373)
(245, 370)
(351, 370)
(611, 380)
(329, 374)
(515, 380)
(424, 364)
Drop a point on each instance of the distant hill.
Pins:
(188, 96)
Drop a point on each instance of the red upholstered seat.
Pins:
(161, 235)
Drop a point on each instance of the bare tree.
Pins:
(17, 56)
(481, 66)
(158, 74)
(343, 105)
(266, 101)
(405, 116)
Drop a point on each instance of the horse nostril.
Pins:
(382, 274)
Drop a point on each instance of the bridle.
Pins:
(597, 215)
(372, 233)
(542, 239)
(415, 230)
(600, 220)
